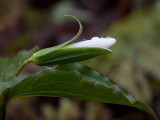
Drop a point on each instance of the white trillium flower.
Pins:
(95, 42)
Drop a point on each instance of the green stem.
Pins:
(2, 109)
(22, 66)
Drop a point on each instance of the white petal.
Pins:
(95, 42)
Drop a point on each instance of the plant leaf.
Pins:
(75, 81)
(9, 66)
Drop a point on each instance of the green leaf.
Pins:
(75, 81)
(8, 68)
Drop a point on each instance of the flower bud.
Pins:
(68, 53)
(74, 52)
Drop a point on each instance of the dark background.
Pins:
(134, 64)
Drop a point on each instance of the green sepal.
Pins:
(39, 56)
(52, 49)
(78, 34)
(67, 55)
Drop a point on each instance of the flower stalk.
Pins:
(22, 66)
